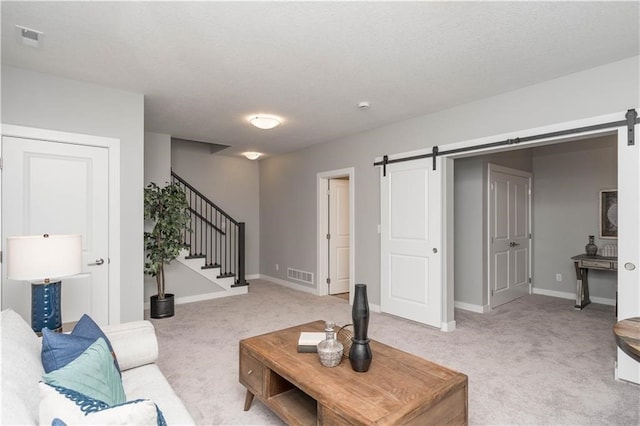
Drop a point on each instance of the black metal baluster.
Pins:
(193, 221)
(220, 239)
(226, 244)
(207, 252)
(235, 247)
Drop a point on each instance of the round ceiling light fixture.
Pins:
(265, 122)
(252, 155)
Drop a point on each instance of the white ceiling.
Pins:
(205, 66)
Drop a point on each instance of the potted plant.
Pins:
(167, 207)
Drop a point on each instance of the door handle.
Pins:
(98, 262)
(512, 244)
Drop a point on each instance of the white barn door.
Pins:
(411, 241)
(628, 242)
(59, 188)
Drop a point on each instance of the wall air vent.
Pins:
(295, 274)
(29, 37)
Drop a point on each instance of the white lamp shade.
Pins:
(41, 257)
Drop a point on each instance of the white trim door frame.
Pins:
(628, 194)
(628, 245)
(113, 147)
(322, 215)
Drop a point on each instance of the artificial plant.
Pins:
(168, 209)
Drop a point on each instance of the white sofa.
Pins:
(136, 348)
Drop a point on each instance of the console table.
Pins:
(399, 388)
(583, 263)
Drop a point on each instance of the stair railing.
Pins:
(215, 236)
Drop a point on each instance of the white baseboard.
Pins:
(554, 293)
(572, 296)
(448, 326)
(375, 308)
(207, 296)
(542, 291)
(603, 301)
(289, 284)
(312, 290)
(479, 309)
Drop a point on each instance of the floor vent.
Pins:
(305, 277)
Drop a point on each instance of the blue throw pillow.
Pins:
(92, 373)
(59, 349)
(60, 406)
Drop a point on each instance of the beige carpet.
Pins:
(534, 361)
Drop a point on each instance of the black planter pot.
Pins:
(162, 308)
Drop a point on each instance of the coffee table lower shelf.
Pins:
(295, 404)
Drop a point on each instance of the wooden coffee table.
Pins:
(399, 388)
(627, 334)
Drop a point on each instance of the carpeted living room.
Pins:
(294, 212)
(532, 361)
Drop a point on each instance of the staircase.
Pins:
(215, 245)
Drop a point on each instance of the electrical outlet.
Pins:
(559, 278)
(277, 267)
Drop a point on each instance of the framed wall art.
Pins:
(609, 213)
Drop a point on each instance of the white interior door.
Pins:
(411, 241)
(628, 242)
(509, 227)
(339, 233)
(59, 188)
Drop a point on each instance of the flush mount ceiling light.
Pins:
(251, 155)
(264, 122)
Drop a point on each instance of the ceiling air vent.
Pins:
(29, 37)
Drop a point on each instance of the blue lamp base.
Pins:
(46, 309)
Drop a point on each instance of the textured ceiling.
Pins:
(205, 66)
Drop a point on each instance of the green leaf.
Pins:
(168, 209)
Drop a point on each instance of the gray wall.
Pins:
(230, 182)
(193, 162)
(288, 182)
(48, 102)
(180, 280)
(469, 225)
(157, 158)
(566, 184)
(567, 178)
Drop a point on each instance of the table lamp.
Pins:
(43, 260)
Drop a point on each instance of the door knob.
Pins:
(98, 262)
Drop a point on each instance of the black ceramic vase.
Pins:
(591, 249)
(360, 353)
